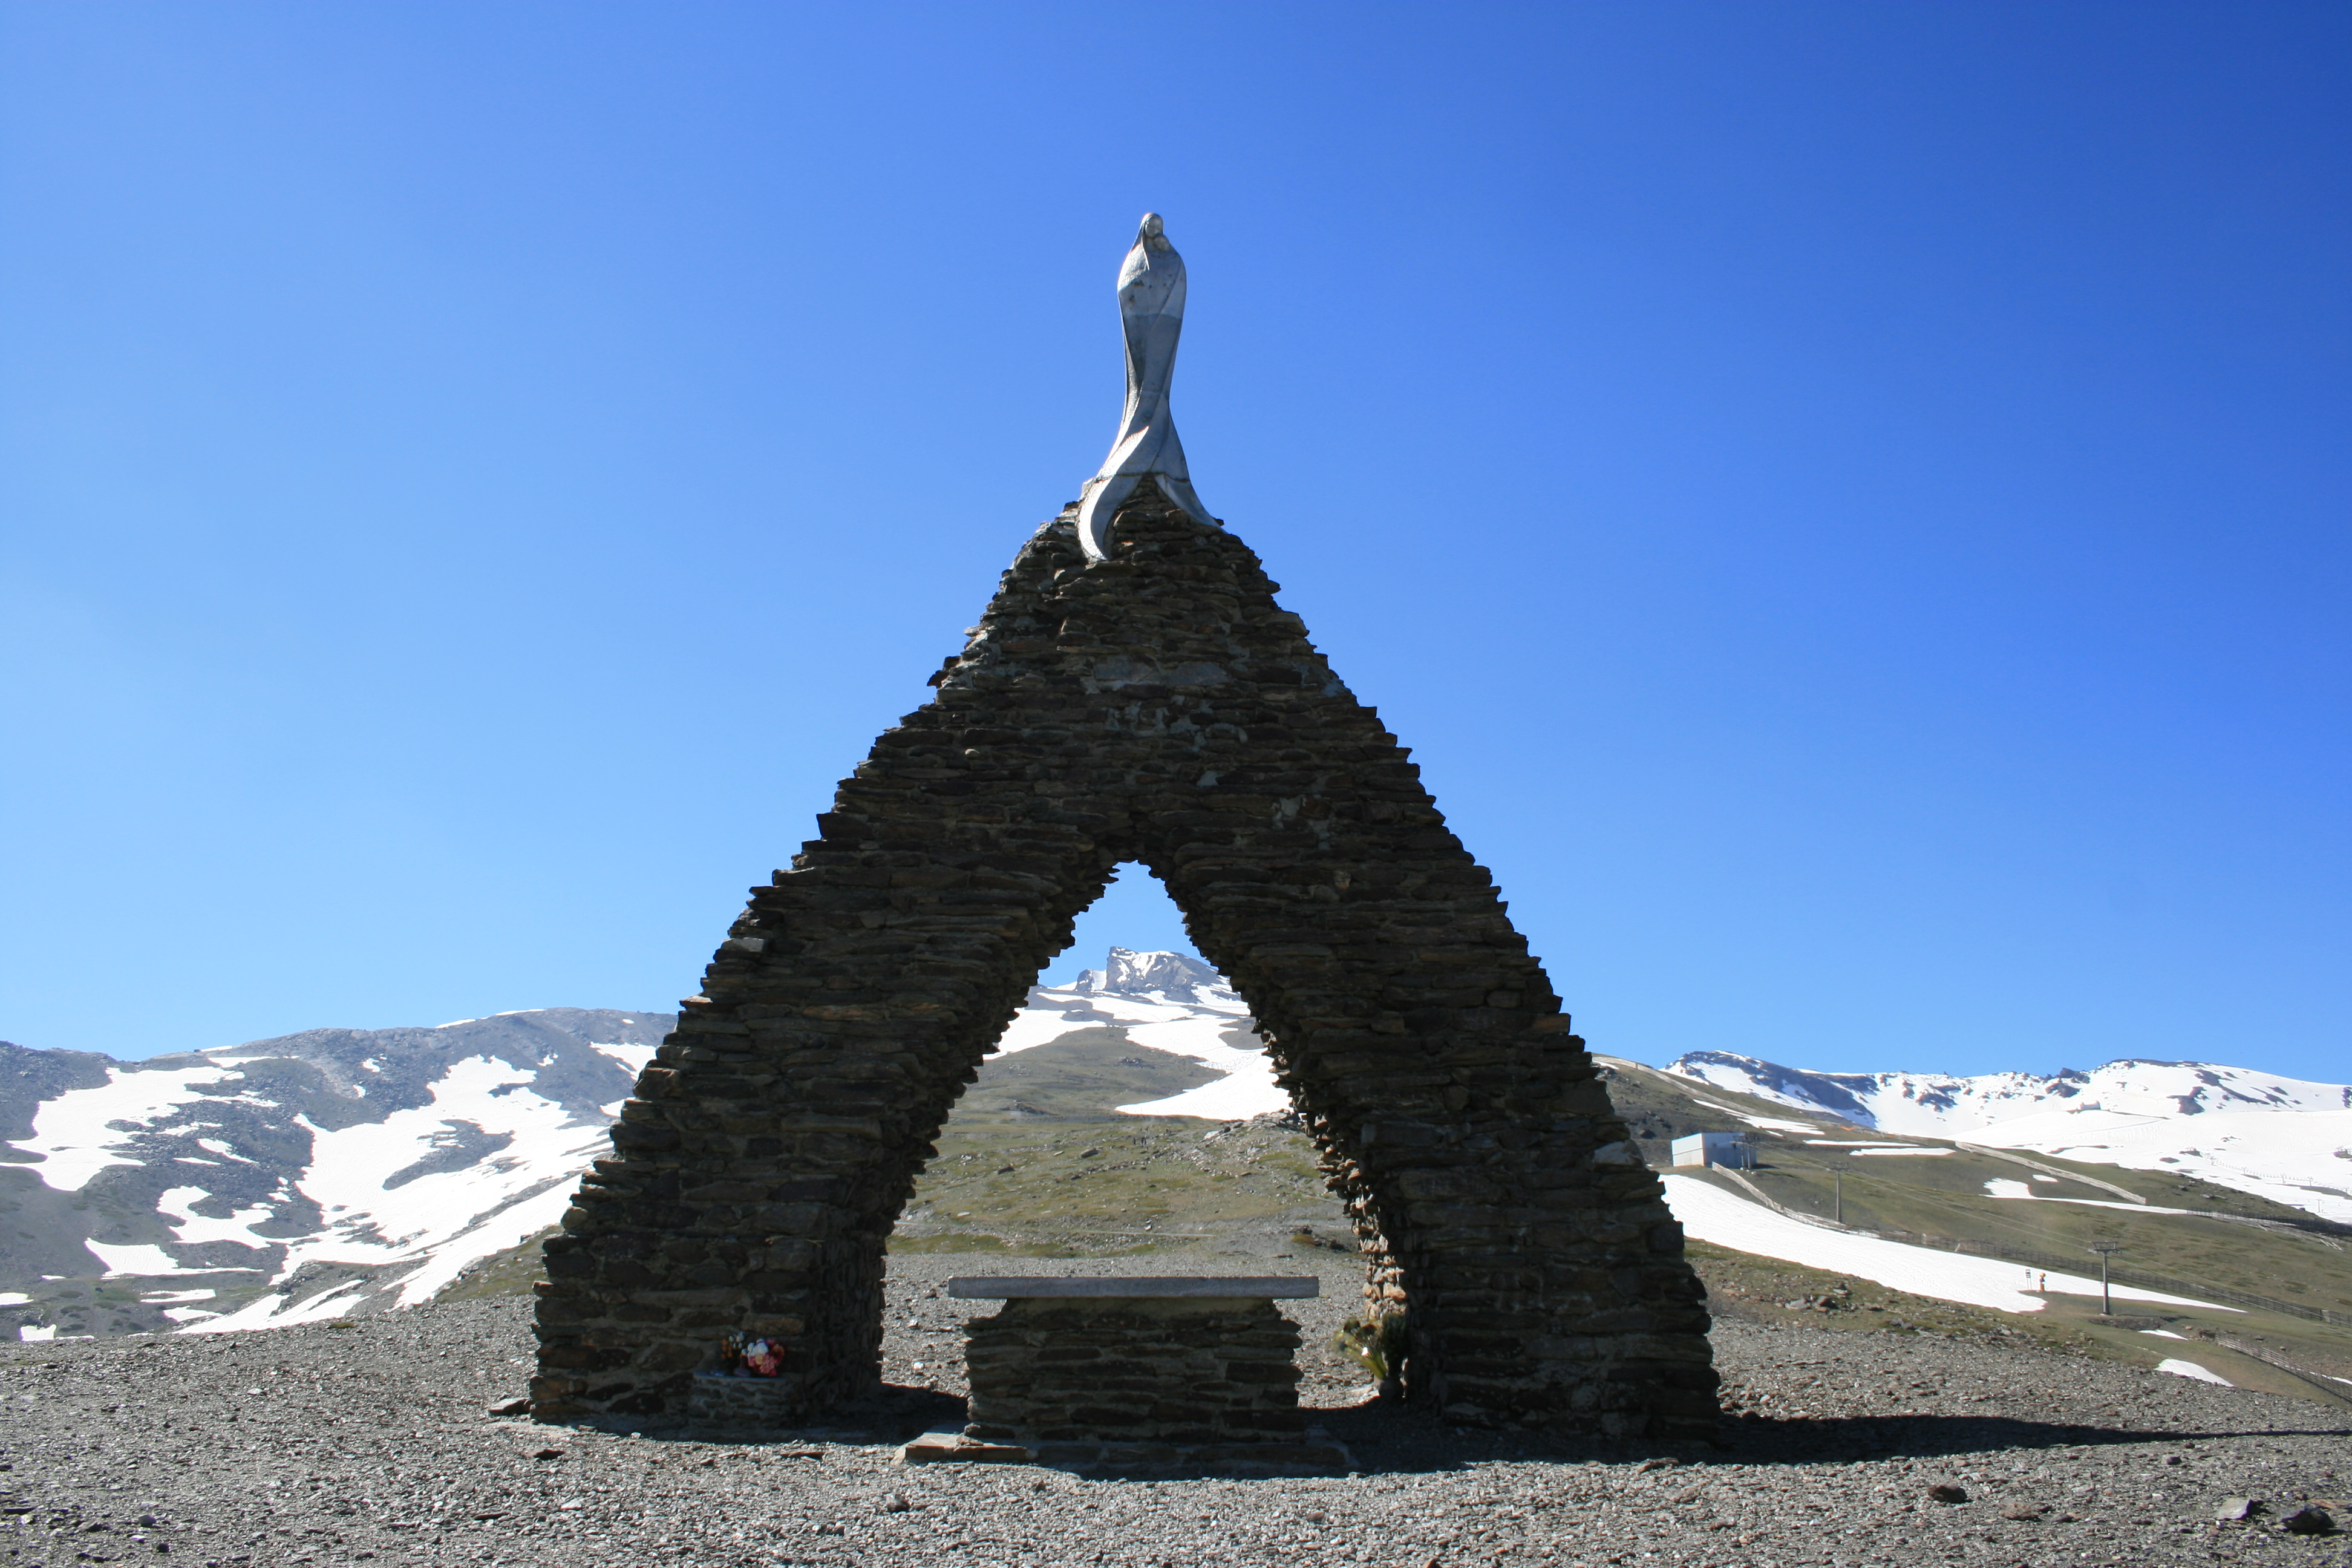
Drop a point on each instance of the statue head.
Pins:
(1151, 278)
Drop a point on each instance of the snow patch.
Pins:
(1772, 1124)
(74, 1135)
(633, 1058)
(143, 1260)
(1161, 1020)
(2006, 1189)
(1713, 1215)
(2190, 1368)
(271, 1312)
(177, 1205)
(453, 1216)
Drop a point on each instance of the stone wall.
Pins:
(1161, 707)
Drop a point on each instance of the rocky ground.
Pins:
(372, 1442)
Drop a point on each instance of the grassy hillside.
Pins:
(1082, 1076)
(1940, 1194)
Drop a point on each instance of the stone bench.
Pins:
(1129, 1373)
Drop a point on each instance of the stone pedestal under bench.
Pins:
(1141, 1375)
(722, 1399)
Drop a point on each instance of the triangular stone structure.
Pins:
(1154, 705)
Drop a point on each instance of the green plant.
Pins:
(1378, 1344)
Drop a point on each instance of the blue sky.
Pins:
(1847, 503)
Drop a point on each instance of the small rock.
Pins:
(1946, 1492)
(833, 1529)
(1649, 1464)
(934, 1446)
(1317, 1516)
(710, 1464)
(513, 1408)
(2308, 1520)
(2025, 1510)
(2235, 1511)
(896, 1504)
(549, 1454)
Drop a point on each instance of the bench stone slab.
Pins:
(1140, 1287)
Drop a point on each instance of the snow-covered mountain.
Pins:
(1162, 977)
(347, 1170)
(2280, 1138)
(1169, 1003)
(295, 1178)
(343, 1171)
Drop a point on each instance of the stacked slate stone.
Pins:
(1202, 1384)
(1159, 707)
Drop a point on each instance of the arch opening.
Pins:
(1098, 1124)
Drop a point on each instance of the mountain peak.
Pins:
(1161, 976)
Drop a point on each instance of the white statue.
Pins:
(1151, 310)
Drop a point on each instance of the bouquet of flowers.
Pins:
(749, 1358)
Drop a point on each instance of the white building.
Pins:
(1713, 1149)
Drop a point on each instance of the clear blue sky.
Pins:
(1848, 503)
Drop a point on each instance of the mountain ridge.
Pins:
(2288, 1140)
(337, 1171)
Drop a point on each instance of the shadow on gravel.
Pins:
(893, 1415)
(1391, 1439)
(1760, 1439)
(1388, 1441)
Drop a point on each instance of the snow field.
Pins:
(74, 1136)
(2279, 1138)
(1180, 1028)
(456, 1216)
(451, 1219)
(1709, 1214)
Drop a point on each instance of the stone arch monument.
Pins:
(1133, 692)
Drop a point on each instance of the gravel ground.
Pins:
(371, 1443)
